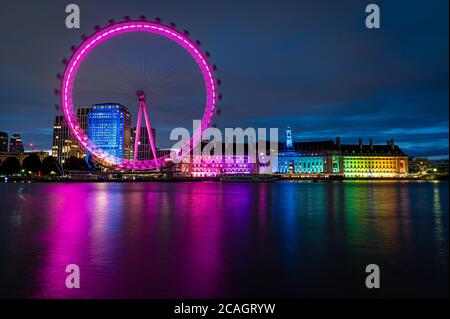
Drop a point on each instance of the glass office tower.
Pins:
(109, 128)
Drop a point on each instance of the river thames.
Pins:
(218, 240)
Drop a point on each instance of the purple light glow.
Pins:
(111, 31)
(223, 165)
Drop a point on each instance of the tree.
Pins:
(32, 163)
(50, 166)
(75, 164)
(11, 165)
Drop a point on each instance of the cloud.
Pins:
(308, 64)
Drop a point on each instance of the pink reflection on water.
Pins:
(170, 246)
(201, 253)
(132, 241)
(80, 219)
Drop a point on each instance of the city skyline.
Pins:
(225, 157)
(304, 79)
(349, 140)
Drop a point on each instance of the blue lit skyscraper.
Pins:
(109, 128)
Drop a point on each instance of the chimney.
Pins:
(392, 144)
(360, 143)
(338, 141)
(371, 144)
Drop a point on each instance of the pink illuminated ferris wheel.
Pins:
(135, 26)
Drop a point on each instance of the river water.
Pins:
(219, 240)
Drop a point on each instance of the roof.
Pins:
(316, 146)
(374, 150)
(108, 106)
(323, 147)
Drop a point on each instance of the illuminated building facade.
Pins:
(297, 163)
(63, 145)
(82, 117)
(325, 159)
(328, 158)
(109, 128)
(144, 147)
(237, 163)
(309, 158)
(374, 161)
(219, 165)
(3, 142)
(15, 144)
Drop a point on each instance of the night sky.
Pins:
(311, 65)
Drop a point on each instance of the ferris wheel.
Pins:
(113, 30)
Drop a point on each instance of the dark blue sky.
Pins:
(311, 65)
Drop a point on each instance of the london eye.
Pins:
(105, 34)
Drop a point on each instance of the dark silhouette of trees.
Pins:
(32, 163)
(50, 165)
(11, 165)
(75, 164)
